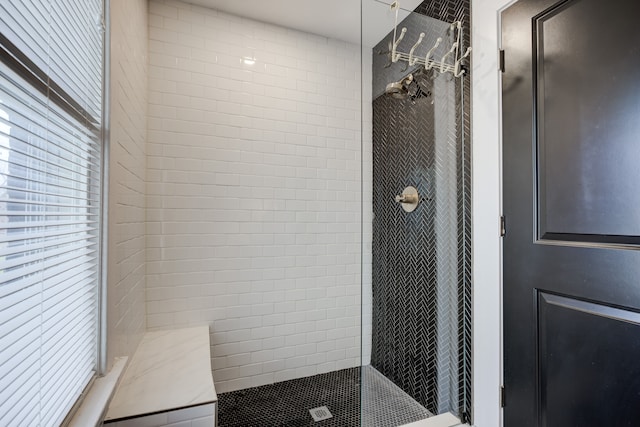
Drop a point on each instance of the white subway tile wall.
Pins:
(254, 193)
(127, 170)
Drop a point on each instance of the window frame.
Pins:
(39, 81)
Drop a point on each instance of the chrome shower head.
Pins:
(414, 86)
(399, 90)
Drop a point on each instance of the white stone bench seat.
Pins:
(168, 379)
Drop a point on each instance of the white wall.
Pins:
(127, 166)
(486, 207)
(254, 193)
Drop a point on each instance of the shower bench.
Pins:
(168, 382)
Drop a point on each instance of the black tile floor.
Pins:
(287, 404)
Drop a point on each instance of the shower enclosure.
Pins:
(310, 202)
(416, 240)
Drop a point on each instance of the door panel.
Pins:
(571, 153)
(580, 136)
(578, 375)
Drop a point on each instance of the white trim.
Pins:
(104, 208)
(486, 209)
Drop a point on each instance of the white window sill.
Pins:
(94, 406)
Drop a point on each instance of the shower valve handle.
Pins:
(407, 198)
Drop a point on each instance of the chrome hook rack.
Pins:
(445, 64)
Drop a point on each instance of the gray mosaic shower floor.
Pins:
(287, 404)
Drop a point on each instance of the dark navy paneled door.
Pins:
(571, 185)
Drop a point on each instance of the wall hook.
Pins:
(396, 56)
(459, 71)
(413, 61)
(429, 63)
(442, 61)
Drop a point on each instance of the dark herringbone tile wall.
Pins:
(404, 257)
(449, 11)
(405, 267)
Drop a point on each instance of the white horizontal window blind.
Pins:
(50, 193)
(60, 37)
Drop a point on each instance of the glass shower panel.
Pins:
(416, 329)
